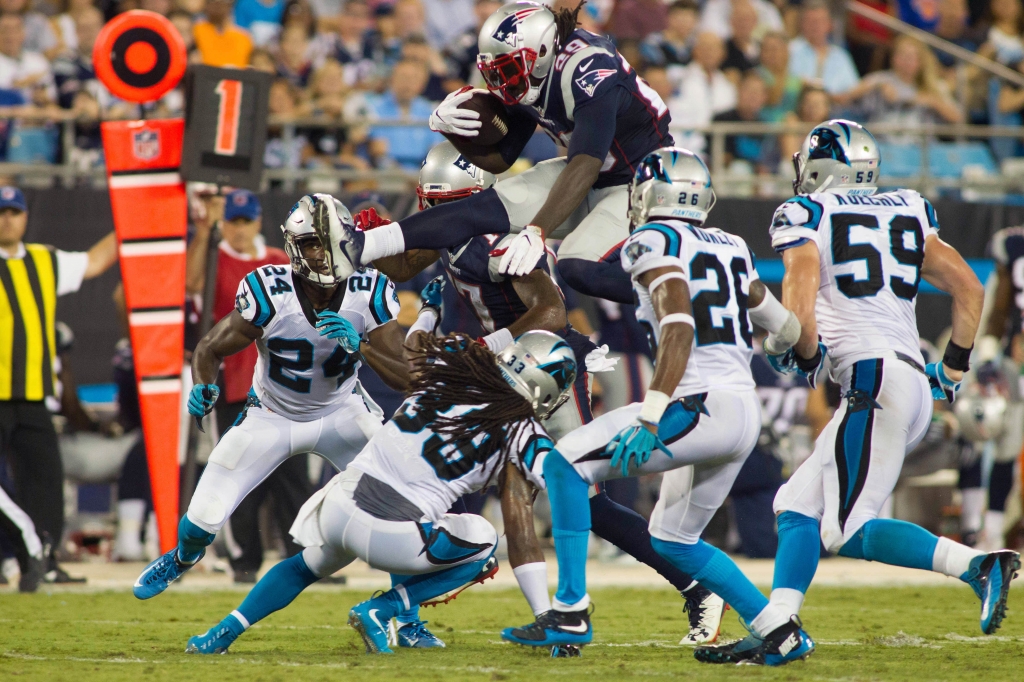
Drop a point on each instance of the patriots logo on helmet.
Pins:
(508, 30)
(462, 163)
(589, 81)
(635, 250)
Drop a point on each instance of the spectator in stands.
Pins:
(657, 77)
(73, 72)
(446, 19)
(64, 23)
(349, 44)
(417, 49)
(635, 19)
(783, 87)
(717, 14)
(220, 42)
(461, 52)
(262, 60)
(672, 45)
(293, 60)
(328, 90)
(702, 91)
(183, 22)
(757, 150)
(922, 14)
(1006, 107)
(1005, 40)
(867, 41)
(385, 41)
(741, 50)
(299, 12)
(283, 106)
(814, 59)
(22, 69)
(953, 26)
(39, 34)
(403, 101)
(261, 18)
(812, 107)
(911, 93)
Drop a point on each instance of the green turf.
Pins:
(863, 634)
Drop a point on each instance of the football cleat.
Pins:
(351, 249)
(553, 628)
(704, 609)
(159, 575)
(566, 651)
(368, 619)
(415, 635)
(733, 652)
(32, 575)
(989, 576)
(783, 645)
(217, 639)
(489, 570)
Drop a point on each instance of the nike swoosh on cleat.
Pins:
(372, 613)
(585, 66)
(581, 628)
(137, 584)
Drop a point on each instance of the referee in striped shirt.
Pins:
(32, 276)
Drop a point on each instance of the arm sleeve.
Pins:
(795, 222)
(383, 303)
(252, 300)
(521, 126)
(71, 267)
(595, 124)
(653, 246)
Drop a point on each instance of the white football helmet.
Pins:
(446, 175)
(670, 182)
(319, 219)
(837, 154)
(541, 367)
(517, 42)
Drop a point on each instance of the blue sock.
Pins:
(627, 530)
(799, 549)
(417, 589)
(717, 572)
(411, 614)
(570, 519)
(892, 542)
(192, 540)
(277, 589)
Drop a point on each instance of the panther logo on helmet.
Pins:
(825, 145)
(508, 30)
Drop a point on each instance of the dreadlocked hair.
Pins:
(458, 371)
(566, 20)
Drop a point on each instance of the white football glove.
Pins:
(523, 252)
(449, 118)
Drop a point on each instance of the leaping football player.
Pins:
(854, 260)
(697, 291)
(470, 419)
(506, 307)
(586, 96)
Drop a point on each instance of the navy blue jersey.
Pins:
(783, 397)
(1007, 249)
(594, 103)
(491, 296)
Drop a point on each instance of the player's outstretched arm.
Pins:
(517, 515)
(227, 337)
(405, 266)
(102, 255)
(799, 292)
(384, 354)
(946, 270)
(546, 309)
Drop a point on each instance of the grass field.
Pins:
(890, 633)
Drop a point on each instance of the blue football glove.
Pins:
(783, 363)
(432, 295)
(943, 388)
(201, 400)
(810, 368)
(634, 442)
(334, 326)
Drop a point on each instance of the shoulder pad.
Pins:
(801, 211)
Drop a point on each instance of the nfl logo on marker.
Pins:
(146, 144)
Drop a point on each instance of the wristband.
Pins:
(497, 341)
(661, 279)
(957, 357)
(674, 318)
(809, 365)
(654, 405)
(425, 322)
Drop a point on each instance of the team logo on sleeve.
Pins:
(242, 301)
(635, 250)
(508, 30)
(589, 81)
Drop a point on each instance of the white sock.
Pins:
(241, 619)
(994, 528)
(952, 558)
(131, 511)
(771, 617)
(533, 581)
(788, 599)
(578, 606)
(383, 241)
(971, 509)
(130, 517)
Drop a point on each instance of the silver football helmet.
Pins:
(541, 367)
(670, 182)
(318, 220)
(982, 417)
(517, 42)
(837, 154)
(446, 175)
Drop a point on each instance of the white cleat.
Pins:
(705, 619)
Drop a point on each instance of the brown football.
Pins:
(493, 118)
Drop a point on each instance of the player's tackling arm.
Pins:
(517, 515)
(546, 309)
(946, 270)
(671, 297)
(799, 292)
(384, 353)
(227, 337)
(405, 266)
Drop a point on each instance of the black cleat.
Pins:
(553, 628)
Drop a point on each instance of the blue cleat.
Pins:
(784, 644)
(415, 635)
(217, 639)
(553, 628)
(159, 575)
(989, 576)
(368, 620)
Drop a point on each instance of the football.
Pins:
(493, 118)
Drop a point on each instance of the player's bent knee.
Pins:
(325, 560)
(556, 466)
